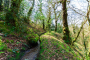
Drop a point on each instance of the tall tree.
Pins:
(55, 6)
(1, 5)
(88, 12)
(66, 36)
(30, 10)
(88, 17)
(49, 19)
(40, 9)
(55, 17)
(12, 14)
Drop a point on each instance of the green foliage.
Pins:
(15, 50)
(9, 19)
(9, 50)
(11, 41)
(32, 38)
(0, 42)
(2, 45)
(1, 52)
(2, 16)
(23, 48)
(26, 44)
(6, 29)
(0, 37)
(7, 41)
(39, 16)
(17, 56)
(59, 28)
(2, 27)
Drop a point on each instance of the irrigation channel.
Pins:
(32, 53)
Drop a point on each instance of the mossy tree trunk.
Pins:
(55, 20)
(56, 17)
(30, 11)
(40, 9)
(49, 19)
(12, 14)
(43, 24)
(66, 36)
(88, 17)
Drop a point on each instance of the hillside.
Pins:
(54, 48)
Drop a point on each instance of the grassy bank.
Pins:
(54, 48)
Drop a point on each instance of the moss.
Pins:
(11, 41)
(9, 50)
(31, 37)
(2, 45)
(1, 52)
(0, 42)
(0, 37)
(7, 41)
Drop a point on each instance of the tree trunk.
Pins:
(30, 11)
(88, 17)
(43, 24)
(55, 25)
(49, 18)
(12, 14)
(55, 21)
(1, 5)
(66, 36)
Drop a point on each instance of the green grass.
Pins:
(1, 52)
(2, 45)
(52, 48)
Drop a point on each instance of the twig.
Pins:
(77, 12)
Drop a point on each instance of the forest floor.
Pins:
(13, 46)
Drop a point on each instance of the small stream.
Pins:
(32, 53)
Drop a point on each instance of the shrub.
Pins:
(0, 42)
(2, 45)
(9, 50)
(0, 37)
(11, 41)
(32, 39)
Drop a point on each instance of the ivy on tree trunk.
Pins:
(66, 36)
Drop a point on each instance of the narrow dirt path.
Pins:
(32, 53)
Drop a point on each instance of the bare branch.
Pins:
(87, 0)
(57, 2)
(77, 12)
(80, 30)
